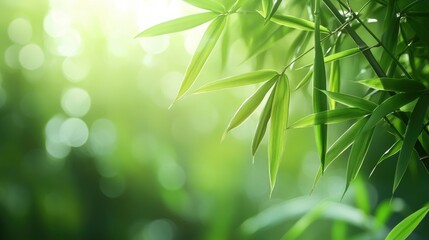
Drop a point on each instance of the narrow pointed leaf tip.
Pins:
(250, 105)
(297, 23)
(203, 51)
(279, 121)
(178, 24)
(239, 80)
(262, 124)
(407, 226)
(329, 117)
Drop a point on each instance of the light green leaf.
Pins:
(334, 81)
(388, 106)
(237, 5)
(239, 80)
(320, 102)
(351, 101)
(211, 5)
(341, 145)
(394, 84)
(329, 117)
(407, 226)
(306, 79)
(336, 56)
(412, 132)
(297, 23)
(262, 124)
(250, 105)
(266, 7)
(203, 51)
(357, 154)
(273, 10)
(177, 25)
(279, 121)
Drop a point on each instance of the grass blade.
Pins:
(407, 226)
(239, 80)
(319, 83)
(211, 5)
(351, 101)
(262, 124)
(279, 121)
(178, 24)
(249, 105)
(297, 23)
(412, 132)
(394, 84)
(329, 117)
(203, 51)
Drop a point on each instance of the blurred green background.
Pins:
(89, 148)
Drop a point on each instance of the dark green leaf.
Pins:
(394, 149)
(250, 105)
(407, 226)
(179, 24)
(412, 132)
(279, 121)
(394, 84)
(336, 56)
(203, 51)
(239, 80)
(329, 117)
(262, 124)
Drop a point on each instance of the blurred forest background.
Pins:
(89, 148)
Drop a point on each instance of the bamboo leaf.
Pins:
(203, 51)
(394, 149)
(341, 145)
(250, 105)
(319, 83)
(407, 226)
(273, 10)
(336, 56)
(179, 24)
(334, 81)
(351, 101)
(306, 79)
(239, 80)
(266, 7)
(237, 5)
(211, 5)
(394, 84)
(279, 121)
(388, 106)
(412, 132)
(329, 117)
(357, 155)
(262, 124)
(297, 23)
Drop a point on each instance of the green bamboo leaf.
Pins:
(394, 84)
(297, 23)
(178, 24)
(412, 132)
(250, 105)
(329, 117)
(279, 121)
(388, 106)
(237, 5)
(211, 5)
(306, 79)
(341, 145)
(203, 51)
(394, 149)
(239, 80)
(357, 155)
(266, 7)
(407, 226)
(334, 81)
(320, 102)
(336, 56)
(351, 101)
(273, 10)
(262, 124)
